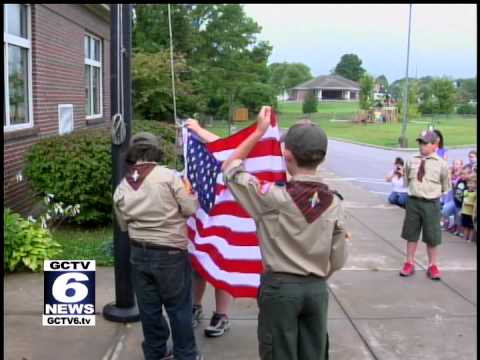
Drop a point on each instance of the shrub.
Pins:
(310, 104)
(77, 168)
(25, 244)
(466, 109)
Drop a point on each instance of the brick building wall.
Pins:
(57, 35)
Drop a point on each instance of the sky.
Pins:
(443, 37)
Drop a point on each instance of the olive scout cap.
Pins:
(146, 138)
(428, 136)
(305, 137)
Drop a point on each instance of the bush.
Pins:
(466, 109)
(310, 104)
(25, 244)
(77, 168)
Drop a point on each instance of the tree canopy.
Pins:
(218, 57)
(284, 76)
(350, 67)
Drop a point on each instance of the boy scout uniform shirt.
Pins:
(288, 242)
(156, 212)
(435, 181)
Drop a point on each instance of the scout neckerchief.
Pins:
(311, 198)
(137, 173)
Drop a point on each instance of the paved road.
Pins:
(367, 166)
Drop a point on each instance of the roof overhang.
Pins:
(102, 10)
(326, 88)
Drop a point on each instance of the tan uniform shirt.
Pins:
(435, 182)
(157, 211)
(288, 243)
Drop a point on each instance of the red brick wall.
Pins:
(58, 78)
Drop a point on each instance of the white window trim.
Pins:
(97, 64)
(25, 43)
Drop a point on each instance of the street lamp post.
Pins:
(124, 308)
(403, 138)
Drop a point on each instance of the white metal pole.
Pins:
(405, 93)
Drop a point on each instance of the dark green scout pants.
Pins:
(292, 322)
(422, 215)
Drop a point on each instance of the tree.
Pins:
(152, 87)
(382, 81)
(219, 48)
(255, 95)
(350, 67)
(310, 104)
(284, 76)
(366, 92)
(413, 100)
(151, 31)
(467, 90)
(444, 93)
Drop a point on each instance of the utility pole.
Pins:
(124, 308)
(403, 139)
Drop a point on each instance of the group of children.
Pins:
(302, 238)
(459, 205)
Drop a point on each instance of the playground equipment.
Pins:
(385, 114)
(240, 114)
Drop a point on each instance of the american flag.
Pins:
(223, 241)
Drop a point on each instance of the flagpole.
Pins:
(403, 139)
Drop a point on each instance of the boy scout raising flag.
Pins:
(427, 178)
(302, 240)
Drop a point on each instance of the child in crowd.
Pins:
(469, 200)
(453, 205)
(472, 159)
(456, 170)
(399, 193)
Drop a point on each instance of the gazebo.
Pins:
(327, 87)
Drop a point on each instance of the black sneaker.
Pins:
(218, 325)
(197, 314)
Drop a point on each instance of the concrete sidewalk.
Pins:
(373, 312)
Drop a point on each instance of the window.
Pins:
(93, 77)
(17, 58)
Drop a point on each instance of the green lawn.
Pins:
(457, 130)
(80, 243)
(323, 107)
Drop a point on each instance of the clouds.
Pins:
(443, 36)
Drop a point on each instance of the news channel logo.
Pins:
(69, 293)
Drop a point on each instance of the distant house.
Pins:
(327, 87)
(56, 80)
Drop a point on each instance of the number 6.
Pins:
(60, 287)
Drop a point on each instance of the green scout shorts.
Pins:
(424, 216)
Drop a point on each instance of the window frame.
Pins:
(9, 39)
(94, 63)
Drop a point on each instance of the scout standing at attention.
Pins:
(302, 239)
(152, 203)
(427, 178)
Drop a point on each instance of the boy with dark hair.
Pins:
(427, 178)
(152, 204)
(302, 234)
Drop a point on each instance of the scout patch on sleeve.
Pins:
(311, 198)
